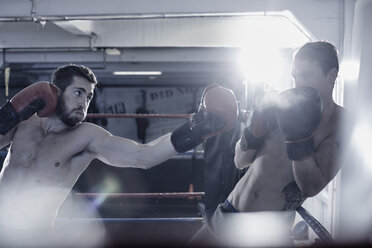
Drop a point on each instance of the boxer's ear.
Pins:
(332, 75)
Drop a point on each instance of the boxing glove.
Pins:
(261, 121)
(40, 98)
(299, 111)
(217, 113)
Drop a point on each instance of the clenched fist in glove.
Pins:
(218, 113)
(299, 111)
(41, 97)
(261, 121)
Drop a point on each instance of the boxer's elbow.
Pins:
(310, 192)
(310, 189)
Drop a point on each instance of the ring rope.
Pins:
(132, 220)
(197, 152)
(144, 195)
(320, 230)
(170, 116)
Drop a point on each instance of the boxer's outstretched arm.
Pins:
(215, 116)
(122, 152)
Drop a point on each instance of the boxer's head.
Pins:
(64, 75)
(77, 84)
(316, 65)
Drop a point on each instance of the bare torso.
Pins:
(269, 184)
(261, 186)
(38, 173)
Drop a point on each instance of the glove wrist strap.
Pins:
(184, 139)
(9, 118)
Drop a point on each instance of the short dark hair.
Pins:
(63, 76)
(322, 52)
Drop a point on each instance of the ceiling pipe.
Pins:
(99, 65)
(57, 18)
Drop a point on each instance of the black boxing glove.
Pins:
(41, 97)
(261, 121)
(299, 111)
(218, 113)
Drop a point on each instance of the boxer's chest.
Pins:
(31, 147)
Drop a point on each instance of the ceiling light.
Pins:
(113, 51)
(137, 73)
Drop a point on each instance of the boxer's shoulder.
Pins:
(88, 127)
(87, 131)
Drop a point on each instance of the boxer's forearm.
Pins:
(121, 152)
(309, 178)
(315, 172)
(156, 152)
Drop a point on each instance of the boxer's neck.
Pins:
(52, 124)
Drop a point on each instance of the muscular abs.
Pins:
(269, 184)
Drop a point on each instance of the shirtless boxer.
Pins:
(51, 149)
(291, 145)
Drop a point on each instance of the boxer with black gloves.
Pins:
(47, 155)
(285, 165)
(260, 122)
(299, 112)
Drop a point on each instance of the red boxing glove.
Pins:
(221, 102)
(209, 87)
(218, 112)
(41, 97)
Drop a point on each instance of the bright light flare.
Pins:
(31, 230)
(362, 138)
(349, 70)
(356, 197)
(262, 64)
(110, 184)
(259, 229)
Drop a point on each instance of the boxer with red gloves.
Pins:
(40, 98)
(218, 113)
(47, 155)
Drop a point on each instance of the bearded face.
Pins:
(73, 103)
(66, 115)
